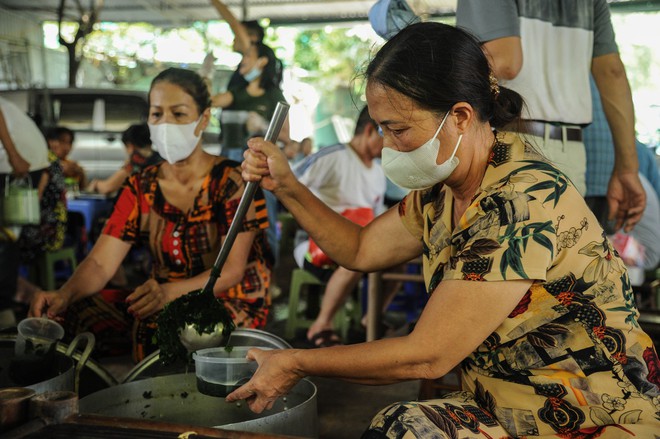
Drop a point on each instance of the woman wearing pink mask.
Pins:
(182, 209)
(526, 291)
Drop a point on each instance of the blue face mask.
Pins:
(253, 74)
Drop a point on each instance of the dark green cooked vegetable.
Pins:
(202, 310)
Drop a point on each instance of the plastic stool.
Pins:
(46, 265)
(301, 278)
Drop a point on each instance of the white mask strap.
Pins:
(441, 125)
(458, 142)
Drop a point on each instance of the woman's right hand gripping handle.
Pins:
(266, 163)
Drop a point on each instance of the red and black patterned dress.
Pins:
(185, 244)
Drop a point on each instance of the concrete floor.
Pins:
(345, 409)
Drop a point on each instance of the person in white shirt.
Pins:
(347, 177)
(23, 152)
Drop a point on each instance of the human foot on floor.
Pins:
(325, 339)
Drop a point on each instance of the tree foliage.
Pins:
(333, 57)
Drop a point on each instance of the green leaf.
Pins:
(620, 308)
(599, 416)
(544, 227)
(631, 417)
(518, 268)
(544, 242)
(504, 264)
(540, 186)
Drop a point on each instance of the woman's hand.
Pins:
(148, 298)
(274, 378)
(92, 186)
(49, 303)
(20, 166)
(265, 162)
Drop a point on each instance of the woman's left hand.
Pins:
(148, 298)
(274, 378)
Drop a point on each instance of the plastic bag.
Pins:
(21, 202)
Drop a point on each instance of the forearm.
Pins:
(237, 27)
(379, 362)
(88, 279)
(504, 56)
(7, 142)
(80, 175)
(616, 97)
(110, 184)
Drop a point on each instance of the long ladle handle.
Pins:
(272, 133)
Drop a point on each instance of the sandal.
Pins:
(325, 339)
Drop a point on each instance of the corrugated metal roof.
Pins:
(169, 13)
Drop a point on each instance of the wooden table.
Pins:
(375, 294)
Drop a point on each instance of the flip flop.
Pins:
(325, 339)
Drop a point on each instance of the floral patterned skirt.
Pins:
(457, 416)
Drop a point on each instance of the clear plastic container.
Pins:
(36, 336)
(220, 372)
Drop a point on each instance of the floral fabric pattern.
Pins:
(50, 233)
(570, 360)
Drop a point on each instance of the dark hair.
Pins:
(437, 65)
(363, 120)
(189, 81)
(54, 133)
(138, 135)
(254, 28)
(271, 76)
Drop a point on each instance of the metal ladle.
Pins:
(190, 337)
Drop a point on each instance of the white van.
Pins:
(97, 116)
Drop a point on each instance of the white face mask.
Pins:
(417, 169)
(174, 142)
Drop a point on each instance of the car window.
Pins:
(74, 111)
(77, 111)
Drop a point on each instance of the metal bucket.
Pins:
(65, 369)
(150, 367)
(175, 398)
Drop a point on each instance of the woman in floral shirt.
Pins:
(526, 292)
(182, 209)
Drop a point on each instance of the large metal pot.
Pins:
(65, 369)
(175, 398)
(151, 366)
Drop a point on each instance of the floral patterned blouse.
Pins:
(185, 244)
(49, 235)
(571, 356)
(137, 162)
